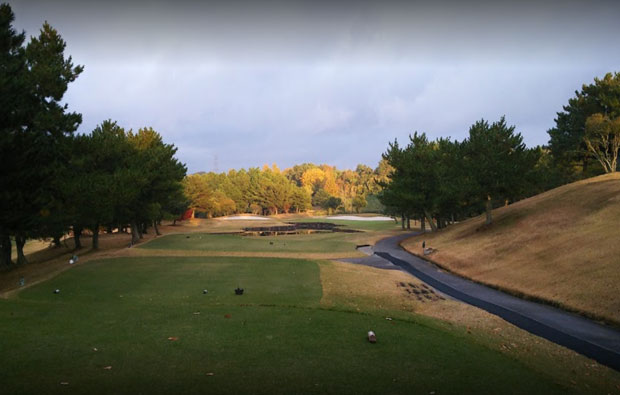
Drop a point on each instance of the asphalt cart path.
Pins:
(587, 337)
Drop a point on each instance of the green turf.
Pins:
(361, 225)
(317, 242)
(274, 339)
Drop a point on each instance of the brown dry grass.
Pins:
(561, 246)
(32, 246)
(362, 288)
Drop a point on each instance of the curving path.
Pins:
(580, 334)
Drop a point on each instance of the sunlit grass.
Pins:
(560, 246)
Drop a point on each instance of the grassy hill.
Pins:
(562, 246)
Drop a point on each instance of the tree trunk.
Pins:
(402, 221)
(19, 243)
(423, 224)
(56, 241)
(430, 220)
(174, 222)
(95, 237)
(408, 222)
(135, 235)
(489, 208)
(5, 250)
(156, 228)
(144, 229)
(77, 233)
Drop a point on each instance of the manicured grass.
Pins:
(318, 242)
(273, 339)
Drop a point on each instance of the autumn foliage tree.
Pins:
(272, 191)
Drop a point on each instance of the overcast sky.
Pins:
(242, 84)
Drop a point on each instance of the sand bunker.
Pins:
(356, 218)
(246, 218)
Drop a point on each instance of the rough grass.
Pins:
(131, 325)
(560, 246)
(366, 289)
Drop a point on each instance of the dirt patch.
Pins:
(421, 292)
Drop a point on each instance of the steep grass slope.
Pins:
(562, 246)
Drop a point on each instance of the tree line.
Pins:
(586, 137)
(444, 180)
(55, 181)
(270, 190)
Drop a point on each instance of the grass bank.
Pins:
(560, 246)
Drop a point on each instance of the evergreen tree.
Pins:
(496, 161)
(566, 139)
(34, 126)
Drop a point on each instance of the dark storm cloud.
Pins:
(287, 82)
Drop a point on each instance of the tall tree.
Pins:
(359, 202)
(160, 176)
(412, 186)
(103, 183)
(566, 142)
(34, 126)
(496, 161)
(602, 139)
(452, 192)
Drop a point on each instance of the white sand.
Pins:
(246, 218)
(356, 218)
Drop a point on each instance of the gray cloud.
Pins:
(287, 82)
